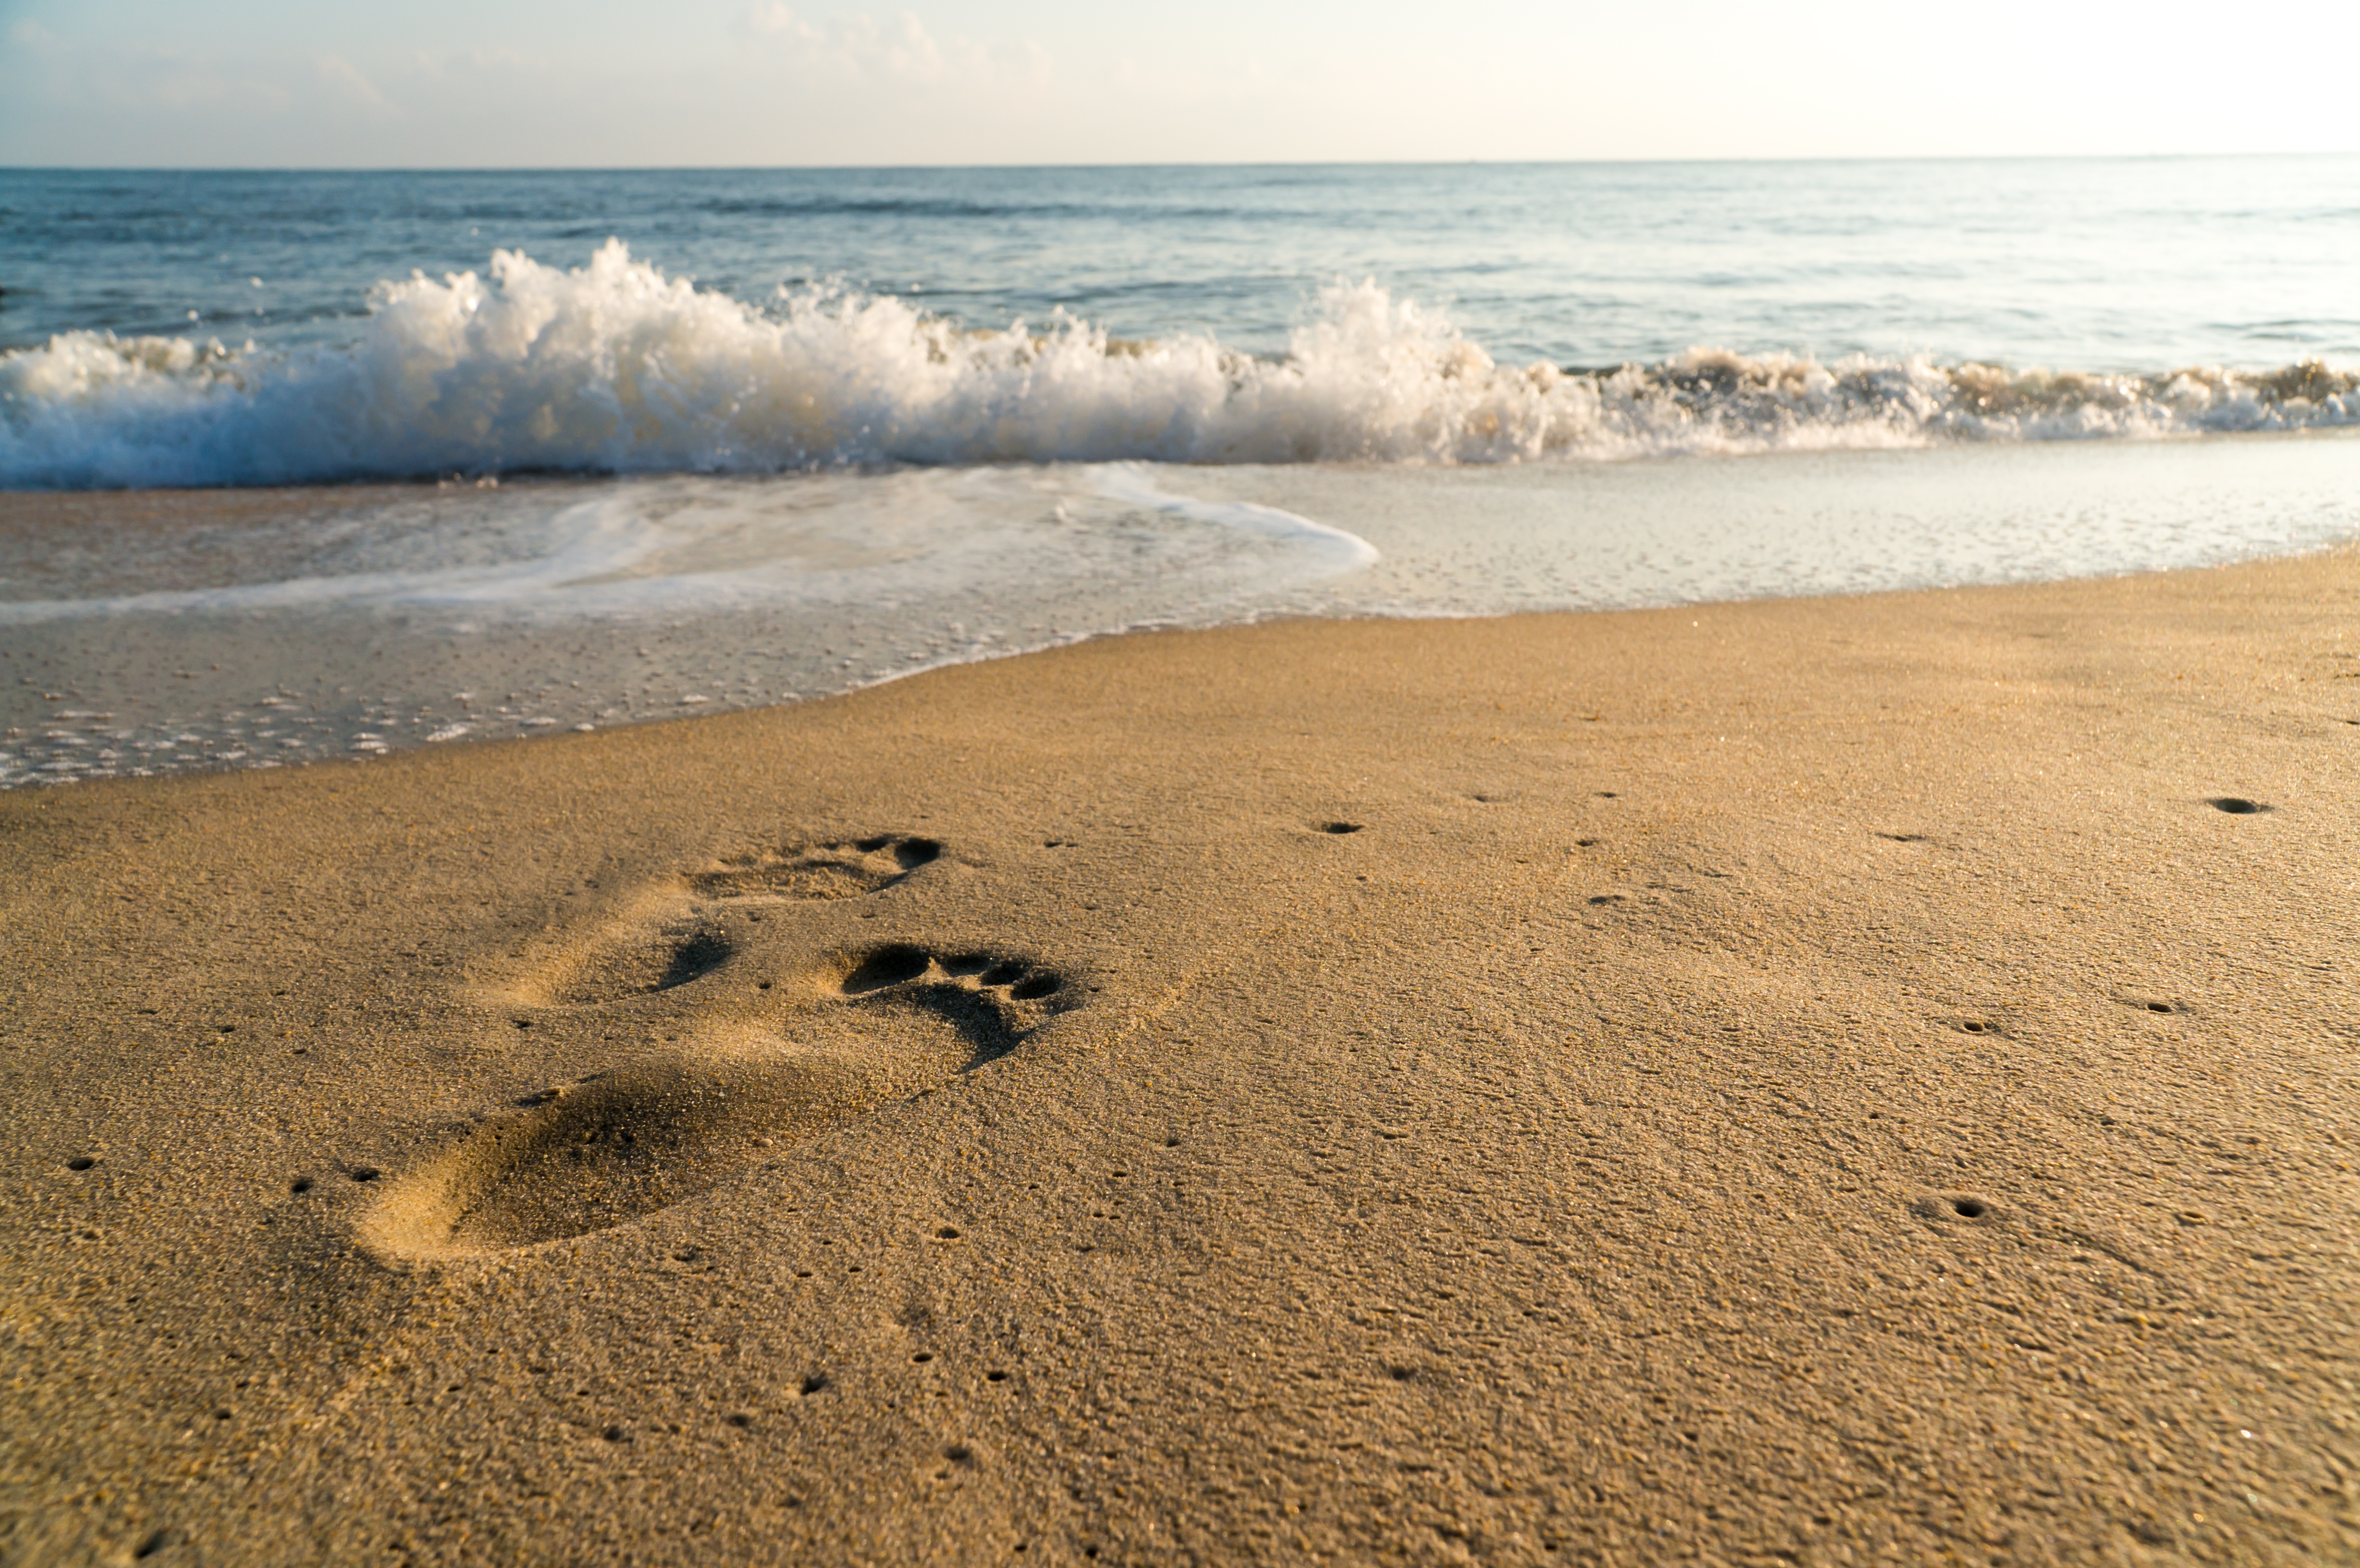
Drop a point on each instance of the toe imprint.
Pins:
(991, 1001)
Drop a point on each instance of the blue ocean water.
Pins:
(482, 454)
(2105, 266)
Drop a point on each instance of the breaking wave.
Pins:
(614, 367)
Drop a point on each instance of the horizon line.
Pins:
(1159, 164)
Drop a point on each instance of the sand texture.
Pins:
(1795, 1083)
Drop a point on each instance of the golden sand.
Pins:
(1812, 1082)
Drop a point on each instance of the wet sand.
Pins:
(1805, 1081)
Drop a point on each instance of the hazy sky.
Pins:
(605, 82)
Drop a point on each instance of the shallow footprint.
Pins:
(664, 939)
(628, 1142)
(838, 870)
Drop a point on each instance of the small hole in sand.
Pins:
(2236, 805)
(922, 1357)
(149, 1547)
(995, 1377)
(300, 1184)
(2158, 1007)
(1340, 827)
(741, 1420)
(947, 1232)
(1970, 1208)
(80, 1162)
(815, 1383)
(1975, 1026)
(916, 851)
(616, 1435)
(521, 1023)
(958, 1453)
(366, 1173)
(1035, 987)
(1171, 1143)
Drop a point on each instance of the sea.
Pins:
(301, 466)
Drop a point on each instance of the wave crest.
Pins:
(615, 367)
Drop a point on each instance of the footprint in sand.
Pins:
(844, 870)
(679, 933)
(884, 1025)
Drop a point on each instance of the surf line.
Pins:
(1333, 552)
(594, 542)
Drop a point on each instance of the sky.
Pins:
(605, 83)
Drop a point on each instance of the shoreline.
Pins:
(324, 624)
(1805, 1077)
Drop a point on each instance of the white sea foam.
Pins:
(1322, 551)
(697, 544)
(615, 368)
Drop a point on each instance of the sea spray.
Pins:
(615, 368)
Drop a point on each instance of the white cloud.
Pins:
(448, 65)
(827, 81)
(865, 48)
(771, 17)
(345, 78)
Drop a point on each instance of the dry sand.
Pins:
(1781, 1082)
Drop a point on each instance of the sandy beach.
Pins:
(1808, 1082)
